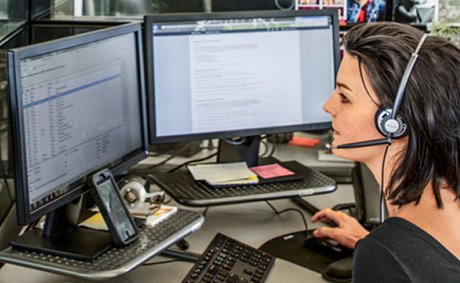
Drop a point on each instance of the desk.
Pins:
(252, 223)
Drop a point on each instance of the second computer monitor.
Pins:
(222, 75)
(225, 75)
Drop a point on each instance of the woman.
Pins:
(420, 241)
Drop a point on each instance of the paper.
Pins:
(220, 173)
(271, 171)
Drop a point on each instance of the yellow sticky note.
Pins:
(95, 222)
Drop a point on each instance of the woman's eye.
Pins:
(343, 98)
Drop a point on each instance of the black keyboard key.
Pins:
(223, 273)
(233, 278)
(213, 269)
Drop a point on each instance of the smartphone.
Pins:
(112, 207)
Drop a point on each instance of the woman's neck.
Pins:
(441, 223)
(391, 160)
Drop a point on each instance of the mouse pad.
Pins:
(290, 247)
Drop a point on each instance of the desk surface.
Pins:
(251, 223)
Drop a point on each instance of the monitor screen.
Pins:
(226, 75)
(77, 105)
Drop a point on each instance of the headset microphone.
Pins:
(360, 144)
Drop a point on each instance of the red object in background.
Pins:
(306, 142)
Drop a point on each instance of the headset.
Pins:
(387, 121)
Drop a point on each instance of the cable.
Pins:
(241, 141)
(272, 151)
(167, 201)
(169, 158)
(192, 161)
(291, 209)
(205, 211)
(162, 162)
(382, 194)
(266, 144)
(265, 148)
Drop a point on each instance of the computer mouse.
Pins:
(311, 241)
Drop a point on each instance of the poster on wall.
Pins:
(448, 11)
(325, 4)
(366, 11)
(351, 11)
(414, 11)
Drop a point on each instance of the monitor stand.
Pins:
(244, 149)
(62, 237)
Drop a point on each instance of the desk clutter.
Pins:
(228, 260)
(181, 186)
(116, 261)
(239, 174)
(144, 212)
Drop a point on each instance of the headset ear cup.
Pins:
(382, 116)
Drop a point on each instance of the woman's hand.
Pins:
(348, 230)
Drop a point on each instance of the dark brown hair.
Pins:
(430, 106)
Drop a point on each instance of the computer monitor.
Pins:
(239, 74)
(77, 106)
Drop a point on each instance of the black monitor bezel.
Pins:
(149, 20)
(24, 215)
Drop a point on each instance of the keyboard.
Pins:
(228, 260)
